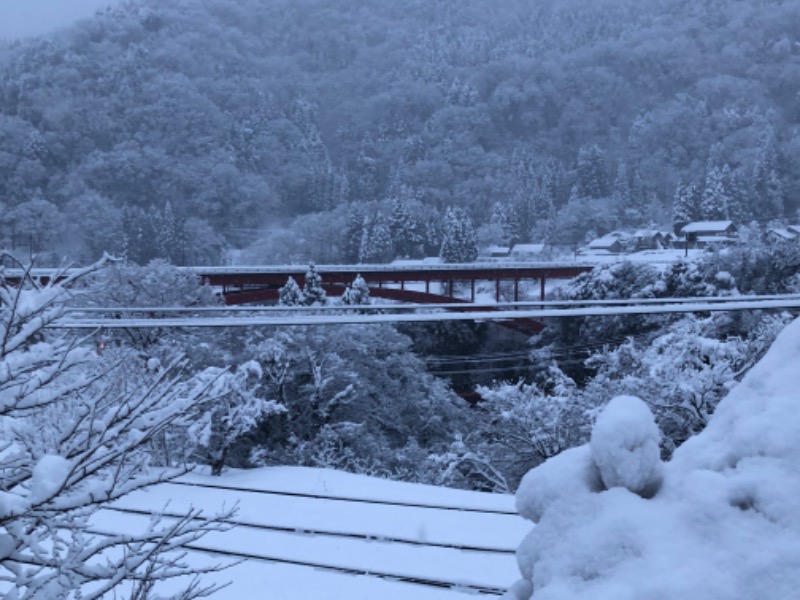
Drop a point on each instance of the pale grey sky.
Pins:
(23, 18)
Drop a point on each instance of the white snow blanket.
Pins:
(720, 521)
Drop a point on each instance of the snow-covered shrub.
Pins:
(74, 439)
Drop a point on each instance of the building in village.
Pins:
(702, 234)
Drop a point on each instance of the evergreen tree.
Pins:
(403, 230)
(354, 235)
(767, 186)
(621, 192)
(739, 197)
(365, 182)
(165, 229)
(356, 294)
(504, 217)
(684, 205)
(592, 176)
(459, 243)
(714, 204)
(622, 189)
(377, 243)
(291, 294)
(138, 244)
(313, 293)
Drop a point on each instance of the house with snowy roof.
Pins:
(495, 251)
(651, 239)
(700, 234)
(611, 243)
(781, 234)
(528, 251)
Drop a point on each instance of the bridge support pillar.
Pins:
(427, 286)
(497, 290)
(541, 288)
(472, 291)
(450, 288)
(516, 289)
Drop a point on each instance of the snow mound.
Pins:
(724, 525)
(625, 446)
(569, 475)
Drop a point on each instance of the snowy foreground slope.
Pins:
(720, 521)
(314, 533)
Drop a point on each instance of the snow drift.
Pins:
(720, 521)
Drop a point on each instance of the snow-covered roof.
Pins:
(496, 250)
(528, 249)
(794, 228)
(785, 234)
(647, 233)
(698, 226)
(606, 241)
(716, 239)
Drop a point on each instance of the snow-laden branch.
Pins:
(75, 439)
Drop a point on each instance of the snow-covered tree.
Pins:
(459, 242)
(406, 238)
(592, 175)
(357, 293)
(291, 294)
(353, 235)
(155, 285)
(74, 441)
(715, 200)
(767, 184)
(682, 373)
(739, 205)
(357, 390)
(517, 427)
(313, 292)
(376, 244)
(234, 407)
(684, 205)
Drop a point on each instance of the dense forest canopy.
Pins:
(178, 128)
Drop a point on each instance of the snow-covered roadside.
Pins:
(722, 523)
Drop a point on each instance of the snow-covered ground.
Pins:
(721, 521)
(314, 533)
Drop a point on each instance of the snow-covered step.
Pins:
(414, 524)
(467, 568)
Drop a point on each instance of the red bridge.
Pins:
(416, 283)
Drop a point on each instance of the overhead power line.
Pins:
(670, 307)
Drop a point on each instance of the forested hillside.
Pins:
(179, 128)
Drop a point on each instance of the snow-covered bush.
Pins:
(356, 294)
(723, 524)
(74, 439)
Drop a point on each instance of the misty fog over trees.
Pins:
(346, 130)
